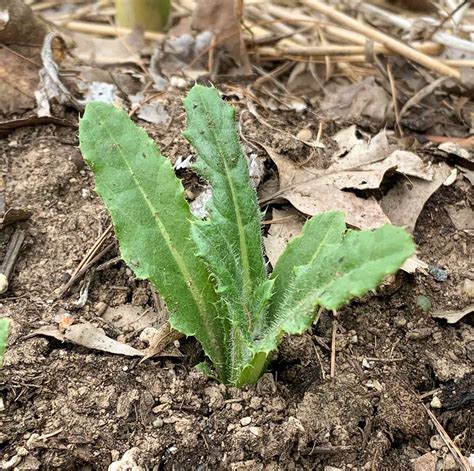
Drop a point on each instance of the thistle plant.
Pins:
(211, 272)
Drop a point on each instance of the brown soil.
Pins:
(66, 407)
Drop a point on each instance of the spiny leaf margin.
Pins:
(152, 223)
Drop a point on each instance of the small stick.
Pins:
(393, 90)
(333, 349)
(90, 255)
(11, 256)
(382, 38)
(342, 49)
(108, 30)
(421, 94)
(458, 456)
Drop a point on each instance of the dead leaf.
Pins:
(456, 149)
(311, 193)
(162, 343)
(414, 264)
(363, 100)
(286, 225)
(463, 218)
(21, 37)
(93, 49)
(131, 317)
(51, 88)
(14, 215)
(361, 162)
(92, 337)
(222, 18)
(405, 201)
(468, 174)
(453, 316)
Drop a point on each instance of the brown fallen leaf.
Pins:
(286, 225)
(453, 316)
(21, 36)
(463, 218)
(405, 201)
(162, 342)
(89, 336)
(102, 51)
(222, 18)
(14, 215)
(311, 193)
(133, 317)
(365, 100)
(362, 162)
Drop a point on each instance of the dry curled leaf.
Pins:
(364, 100)
(222, 18)
(453, 316)
(286, 225)
(21, 37)
(312, 193)
(405, 201)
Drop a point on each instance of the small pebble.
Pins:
(256, 403)
(158, 422)
(436, 442)
(257, 431)
(245, 421)
(449, 463)
(304, 135)
(100, 308)
(468, 288)
(236, 407)
(435, 403)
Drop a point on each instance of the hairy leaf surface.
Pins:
(4, 325)
(336, 274)
(318, 233)
(229, 240)
(153, 223)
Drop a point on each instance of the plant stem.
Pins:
(149, 15)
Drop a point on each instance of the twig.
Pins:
(382, 38)
(108, 30)
(13, 250)
(458, 456)
(333, 349)
(342, 49)
(439, 36)
(420, 95)
(90, 255)
(393, 90)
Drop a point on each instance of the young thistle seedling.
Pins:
(211, 272)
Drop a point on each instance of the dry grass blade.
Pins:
(389, 42)
(91, 257)
(458, 456)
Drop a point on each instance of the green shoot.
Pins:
(211, 273)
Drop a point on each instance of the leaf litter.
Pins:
(428, 116)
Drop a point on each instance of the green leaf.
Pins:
(318, 233)
(153, 224)
(4, 325)
(229, 240)
(336, 274)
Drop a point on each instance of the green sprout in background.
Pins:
(4, 326)
(148, 15)
(211, 272)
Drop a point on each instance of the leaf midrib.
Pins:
(245, 263)
(198, 299)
